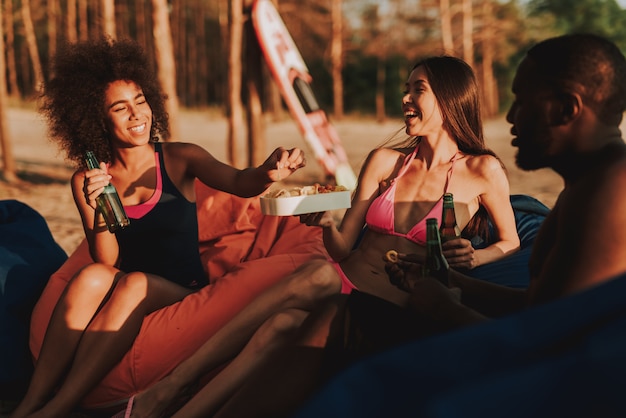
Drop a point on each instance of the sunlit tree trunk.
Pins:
(235, 114)
(122, 20)
(224, 19)
(381, 75)
(200, 51)
(336, 56)
(468, 30)
(72, 31)
(52, 7)
(446, 26)
(10, 48)
(31, 41)
(83, 12)
(8, 161)
(95, 30)
(165, 59)
(274, 97)
(179, 38)
(254, 89)
(108, 18)
(140, 22)
(490, 88)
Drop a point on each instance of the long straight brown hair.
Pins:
(454, 85)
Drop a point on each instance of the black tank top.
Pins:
(164, 241)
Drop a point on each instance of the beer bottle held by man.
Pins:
(435, 264)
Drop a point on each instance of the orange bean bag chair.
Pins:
(244, 252)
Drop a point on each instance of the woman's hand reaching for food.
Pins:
(282, 163)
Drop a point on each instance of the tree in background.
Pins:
(8, 161)
(235, 108)
(9, 47)
(603, 17)
(108, 18)
(336, 57)
(33, 48)
(166, 68)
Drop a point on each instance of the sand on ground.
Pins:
(45, 173)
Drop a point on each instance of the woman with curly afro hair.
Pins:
(105, 98)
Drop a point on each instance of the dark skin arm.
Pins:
(464, 301)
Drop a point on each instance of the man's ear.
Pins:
(568, 108)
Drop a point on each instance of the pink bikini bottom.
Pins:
(346, 285)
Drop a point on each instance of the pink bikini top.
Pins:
(380, 215)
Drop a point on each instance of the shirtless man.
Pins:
(553, 359)
(570, 94)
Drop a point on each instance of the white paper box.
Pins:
(296, 205)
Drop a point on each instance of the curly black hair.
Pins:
(73, 100)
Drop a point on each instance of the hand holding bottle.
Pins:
(460, 253)
(106, 197)
(96, 179)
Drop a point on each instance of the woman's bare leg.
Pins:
(292, 373)
(110, 335)
(274, 333)
(303, 290)
(76, 307)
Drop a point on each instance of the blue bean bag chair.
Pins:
(565, 358)
(28, 256)
(512, 271)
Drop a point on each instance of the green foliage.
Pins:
(390, 31)
(602, 17)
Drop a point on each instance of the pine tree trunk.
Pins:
(9, 171)
(336, 53)
(31, 41)
(380, 90)
(165, 59)
(254, 88)
(72, 31)
(52, 7)
(235, 114)
(108, 18)
(468, 30)
(10, 48)
(446, 26)
(83, 23)
(490, 86)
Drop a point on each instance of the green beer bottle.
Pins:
(108, 202)
(435, 264)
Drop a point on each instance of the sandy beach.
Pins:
(45, 173)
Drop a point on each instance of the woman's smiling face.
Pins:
(129, 116)
(419, 104)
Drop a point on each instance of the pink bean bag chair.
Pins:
(244, 252)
